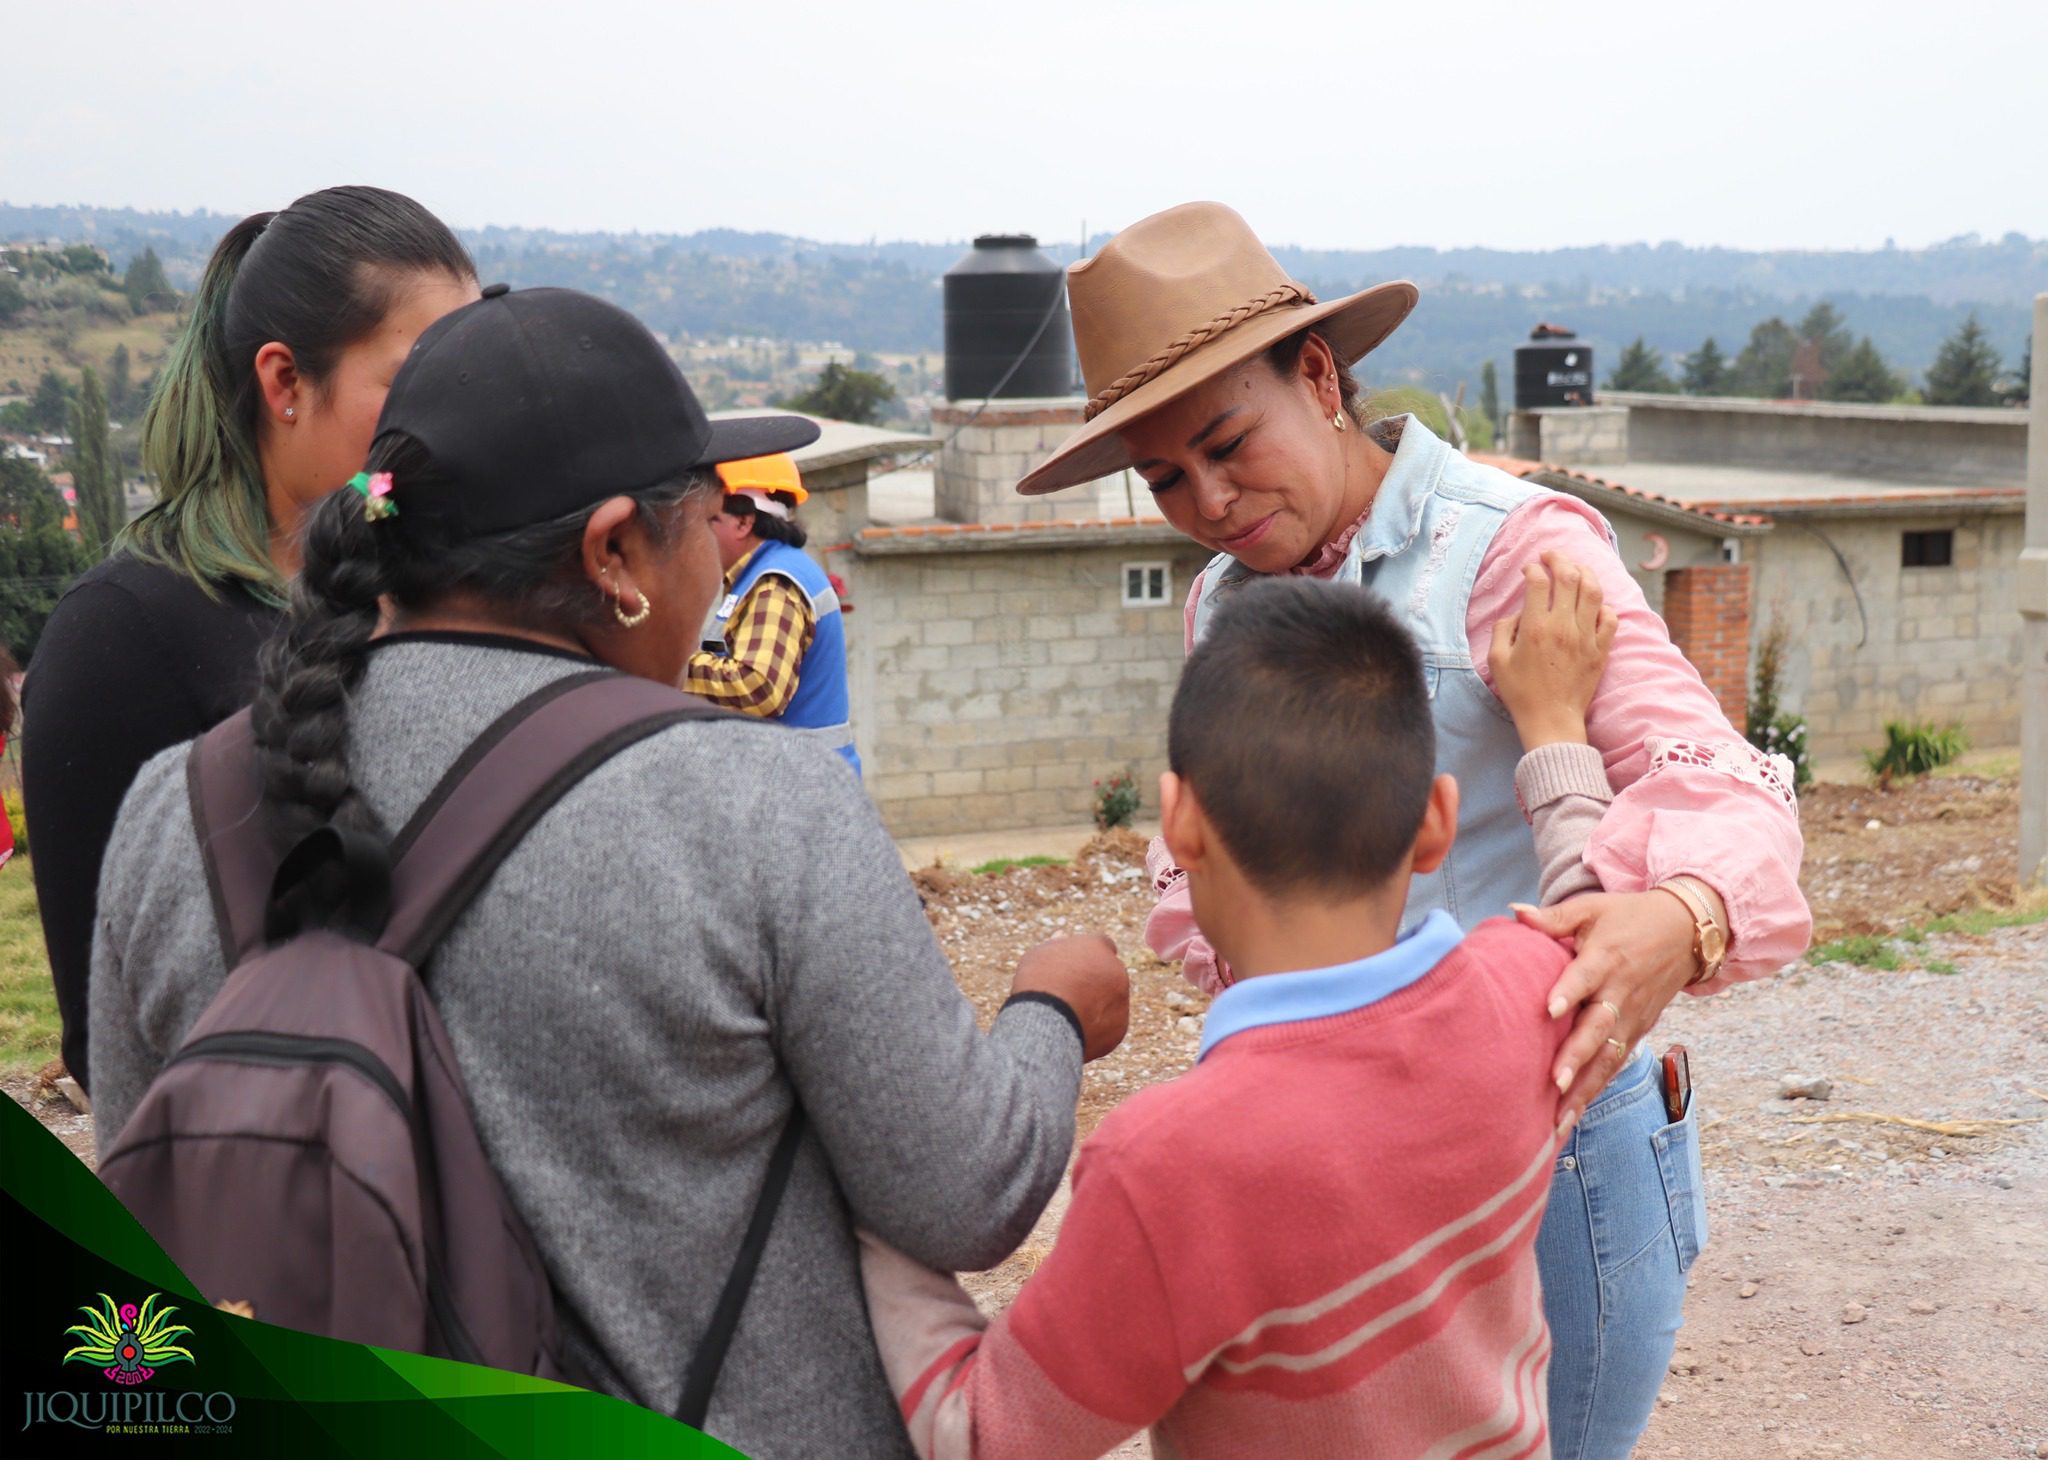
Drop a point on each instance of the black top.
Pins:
(136, 658)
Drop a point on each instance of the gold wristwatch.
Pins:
(1709, 938)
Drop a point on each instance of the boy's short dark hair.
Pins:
(1302, 725)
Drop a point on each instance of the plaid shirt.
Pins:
(765, 639)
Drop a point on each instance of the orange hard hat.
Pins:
(775, 473)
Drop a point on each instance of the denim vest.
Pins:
(820, 705)
(1420, 550)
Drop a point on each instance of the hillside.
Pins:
(1477, 302)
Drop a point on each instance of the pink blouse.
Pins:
(1692, 797)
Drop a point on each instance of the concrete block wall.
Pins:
(1955, 445)
(984, 451)
(1594, 435)
(1942, 643)
(992, 688)
(1706, 610)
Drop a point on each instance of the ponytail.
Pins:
(316, 277)
(212, 519)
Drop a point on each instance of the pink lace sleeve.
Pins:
(1692, 796)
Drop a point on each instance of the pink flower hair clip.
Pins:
(375, 490)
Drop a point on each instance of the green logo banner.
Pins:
(107, 1349)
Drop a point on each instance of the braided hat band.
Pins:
(1194, 339)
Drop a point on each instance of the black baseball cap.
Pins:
(536, 402)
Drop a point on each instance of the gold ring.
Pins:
(1612, 1010)
(1619, 1048)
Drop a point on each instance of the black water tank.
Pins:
(997, 301)
(1554, 369)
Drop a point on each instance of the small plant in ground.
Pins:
(1865, 950)
(1769, 729)
(1116, 800)
(1010, 864)
(1940, 965)
(1911, 751)
(17, 820)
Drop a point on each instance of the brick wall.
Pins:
(1707, 611)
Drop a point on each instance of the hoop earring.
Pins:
(632, 620)
(1338, 420)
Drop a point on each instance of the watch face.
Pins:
(1713, 944)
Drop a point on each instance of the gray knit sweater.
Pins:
(711, 925)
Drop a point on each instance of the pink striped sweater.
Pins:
(1317, 1242)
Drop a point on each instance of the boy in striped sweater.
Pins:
(1319, 1241)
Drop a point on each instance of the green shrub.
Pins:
(1769, 729)
(1116, 800)
(1911, 751)
(17, 821)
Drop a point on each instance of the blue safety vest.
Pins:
(819, 707)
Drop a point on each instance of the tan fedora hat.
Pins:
(1177, 299)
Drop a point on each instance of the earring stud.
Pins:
(290, 411)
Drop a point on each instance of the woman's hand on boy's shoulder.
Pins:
(1632, 954)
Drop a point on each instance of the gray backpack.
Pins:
(309, 1149)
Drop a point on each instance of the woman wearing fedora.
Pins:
(1228, 387)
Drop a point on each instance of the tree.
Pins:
(38, 558)
(841, 394)
(120, 388)
(2020, 389)
(1489, 395)
(1641, 369)
(1825, 327)
(95, 473)
(1705, 370)
(1965, 373)
(1863, 376)
(13, 303)
(1764, 368)
(51, 403)
(147, 287)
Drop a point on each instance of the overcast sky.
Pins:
(1521, 125)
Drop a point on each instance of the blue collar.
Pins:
(1317, 993)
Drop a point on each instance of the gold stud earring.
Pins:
(637, 618)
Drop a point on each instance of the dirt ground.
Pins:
(1871, 1287)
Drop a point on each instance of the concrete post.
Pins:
(2033, 596)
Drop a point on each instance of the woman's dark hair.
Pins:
(766, 524)
(352, 566)
(1284, 357)
(317, 276)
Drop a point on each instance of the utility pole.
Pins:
(2033, 596)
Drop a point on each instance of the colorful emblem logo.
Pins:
(129, 1344)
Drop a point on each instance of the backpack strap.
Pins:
(224, 782)
(701, 1377)
(505, 782)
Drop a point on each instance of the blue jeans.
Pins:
(1627, 1217)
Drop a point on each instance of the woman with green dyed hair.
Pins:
(265, 404)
